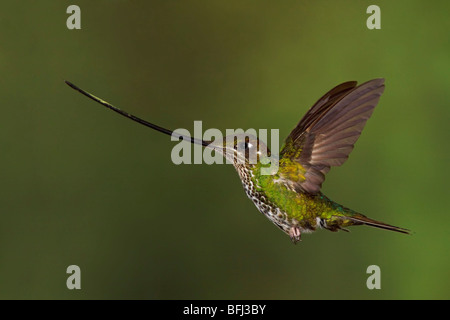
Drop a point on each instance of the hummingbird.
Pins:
(291, 197)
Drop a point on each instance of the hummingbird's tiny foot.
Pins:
(295, 234)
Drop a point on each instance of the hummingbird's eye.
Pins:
(244, 145)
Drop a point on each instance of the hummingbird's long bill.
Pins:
(137, 119)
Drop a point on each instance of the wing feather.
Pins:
(327, 133)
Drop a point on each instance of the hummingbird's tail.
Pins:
(361, 219)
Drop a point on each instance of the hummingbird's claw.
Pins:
(295, 234)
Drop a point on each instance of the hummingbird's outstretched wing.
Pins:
(325, 136)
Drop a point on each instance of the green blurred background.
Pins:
(81, 185)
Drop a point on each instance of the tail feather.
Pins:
(360, 219)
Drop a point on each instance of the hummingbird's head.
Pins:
(242, 149)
